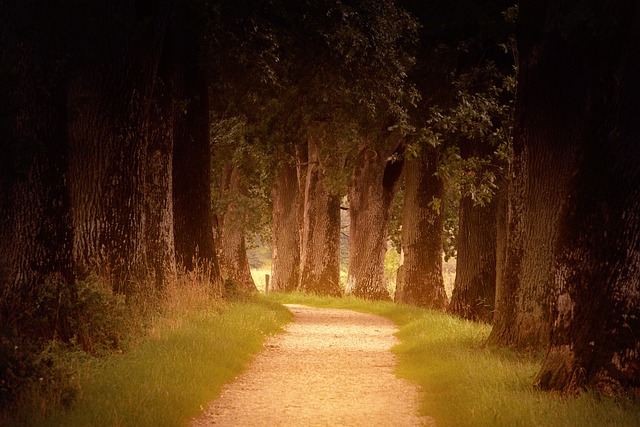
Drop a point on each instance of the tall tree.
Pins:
(420, 280)
(158, 186)
(285, 243)
(320, 243)
(193, 216)
(110, 99)
(475, 283)
(35, 221)
(577, 101)
(230, 229)
(458, 60)
(376, 173)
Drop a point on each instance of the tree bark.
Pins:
(474, 289)
(113, 183)
(35, 223)
(549, 119)
(285, 267)
(320, 248)
(232, 252)
(373, 185)
(420, 280)
(595, 314)
(193, 215)
(158, 190)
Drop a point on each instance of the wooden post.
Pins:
(266, 283)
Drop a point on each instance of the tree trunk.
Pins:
(320, 255)
(285, 267)
(109, 103)
(474, 289)
(160, 253)
(420, 280)
(373, 186)
(193, 216)
(549, 116)
(35, 223)
(232, 253)
(596, 299)
(475, 284)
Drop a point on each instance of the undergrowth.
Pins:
(465, 383)
(153, 359)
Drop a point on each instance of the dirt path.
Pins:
(332, 368)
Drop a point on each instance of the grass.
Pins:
(199, 343)
(168, 378)
(465, 383)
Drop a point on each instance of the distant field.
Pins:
(448, 273)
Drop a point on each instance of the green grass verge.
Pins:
(166, 380)
(466, 384)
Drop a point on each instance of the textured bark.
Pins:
(158, 190)
(474, 289)
(285, 267)
(501, 231)
(193, 216)
(549, 119)
(110, 99)
(596, 298)
(420, 280)
(35, 224)
(475, 284)
(232, 252)
(320, 245)
(373, 186)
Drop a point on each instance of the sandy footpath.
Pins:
(332, 367)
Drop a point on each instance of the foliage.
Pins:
(233, 146)
(171, 339)
(478, 117)
(87, 313)
(146, 386)
(395, 220)
(331, 68)
(91, 318)
(391, 265)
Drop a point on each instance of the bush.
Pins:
(99, 323)
(62, 322)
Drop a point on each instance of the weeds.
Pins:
(54, 377)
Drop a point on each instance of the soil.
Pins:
(332, 367)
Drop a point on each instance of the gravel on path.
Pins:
(332, 367)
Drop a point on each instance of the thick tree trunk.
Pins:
(113, 184)
(549, 119)
(523, 295)
(320, 248)
(35, 223)
(158, 191)
(285, 267)
(232, 252)
(474, 290)
(595, 293)
(193, 215)
(373, 186)
(475, 284)
(420, 280)
(106, 146)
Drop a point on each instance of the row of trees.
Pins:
(139, 137)
(105, 148)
